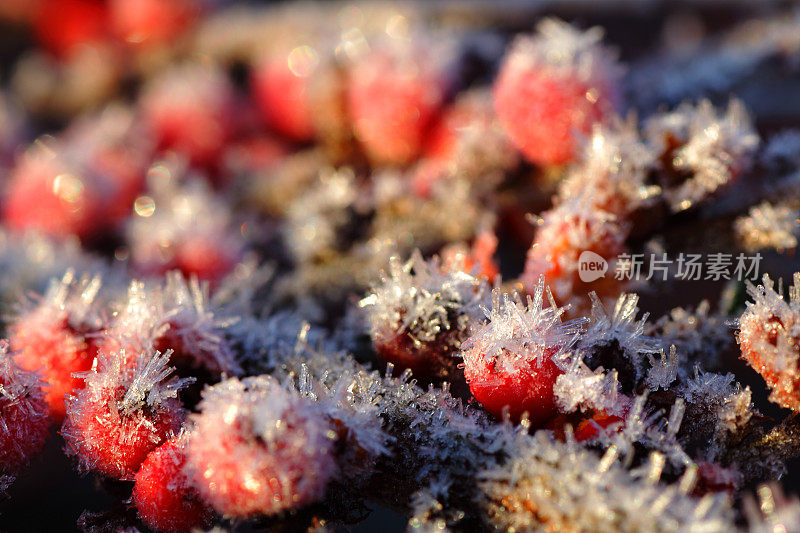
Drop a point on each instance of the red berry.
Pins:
(163, 495)
(552, 86)
(190, 109)
(23, 414)
(63, 25)
(123, 413)
(589, 429)
(281, 90)
(48, 194)
(510, 363)
(257, 448)
(51, 338)
(204, 258)
(392, 102)
(149, 22)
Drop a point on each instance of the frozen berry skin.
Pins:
(521, 388)
(421, 312)
(55, 338)
(190, 109)
(64, 25)
(123, 413)
(392, 101)
(769, 338)
(510, 362)
(553, 85)
(280, 86)
(164, 498)
(24, 420)
(258, 449)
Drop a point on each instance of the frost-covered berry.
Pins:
(421, 312)
(553, 86)
(163, 495)
(572, 232)
(769, 337)
(509, 362)
(393, 97)
(24, 420)
(183, 228)
(56, 337)
(50, 191)
(259, 449)
(190, 109)
(703, 150)
(124, 412)
(175, 315)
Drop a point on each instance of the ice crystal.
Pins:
(618, 340)
(769, 336)
(713, 148)
(569, 487)
(30, 261)
(717, 66)
(655, 430)
(769, 226)
(620, 326)
(75, 300)
(24, 421)
(263, 344)
(149, 385)
(614, 168)
(125, 410)
(663, 371)
(318, 221)
(717, 408)
(774, 511)
(560, 45)
(425, 301)
(584, 388)
(565, 233)
(519, 332)
(453, 212)
(698, 335)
